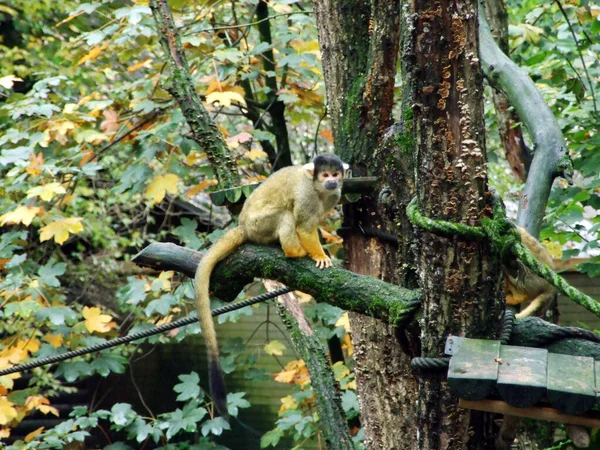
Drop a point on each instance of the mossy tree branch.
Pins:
(551, 158)
(182, 88)
(338, 287)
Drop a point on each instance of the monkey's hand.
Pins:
(322, 261)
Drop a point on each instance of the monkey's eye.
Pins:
(335, 175)
(326, 174)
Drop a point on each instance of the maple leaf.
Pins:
(240, 138)
(36, 164)
(46, 192)
(61, 229)
(28, 346)
(111, 120)
(55, 340)
(96, 321)
(7, 411)
(41, 404)
(193, 157)
(23, 214)
(35, 433)
(163, 282)
(274, 348)
(8, 81)
(225, 98)
(285, 376)
(4, 432)
(92, 54)
(160, 185)
(288, 402)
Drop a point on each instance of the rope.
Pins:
(507, 326)
(443, 362)
(142, 334)
(506, 240)
(558, 333)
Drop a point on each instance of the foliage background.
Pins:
(96, 162)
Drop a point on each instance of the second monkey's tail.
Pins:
(226, 245)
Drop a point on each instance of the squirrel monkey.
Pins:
(521, 284)
(286, 207)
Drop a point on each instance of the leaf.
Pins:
(35, 433)
(288, 402)
(111, 120)
(107, 363)
(236, 400)
(344, 321)
(48, 273)
(46, 192)
(271, 438)
(8, 81)
(225, 98)
(7, 411)
(92, 54)
(122, 414)
(61, 229)
(350, 401)
(188, 388)
(275, 348)
(96, 321)
(55, 340)
(215, 426)
(160, 185)
(23, 214)
(56, 314)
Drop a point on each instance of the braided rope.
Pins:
(441, 363)
(142, 334)
(506, 240)
(508, 323)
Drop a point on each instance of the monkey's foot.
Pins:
(323, 261)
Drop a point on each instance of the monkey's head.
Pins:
(327, 171)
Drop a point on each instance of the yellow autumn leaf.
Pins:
(225, 98)
(285, 376)
(41, 404)
(8, 81)
(55, 340)
(23, 214)
(347, 345)
(7, 410)
(46, 192)
(351, 385)
(160, 185)
(193, 157)
(35, 433)
(145, 63)
(200, 187)
(92, 54)
(163, 282)
(288, 402)
(302, 297)
(96, 321)
(36, 163)
(275, 348)
(4, 433)
(61, 229)
(343, 321)
(254, 154)
(29, 345)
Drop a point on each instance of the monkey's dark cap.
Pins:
(327, 161)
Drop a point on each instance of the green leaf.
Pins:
(106, 363)
(134, 292)
(189, 388)
(73, 370)
(161, 305)
(271, 438)
(350, 402)
(235, 401)
(121, 414)
(56, 314)
(49, 272)
(215, 426)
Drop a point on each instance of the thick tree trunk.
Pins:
(443, 95)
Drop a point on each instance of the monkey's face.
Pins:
(330, 178)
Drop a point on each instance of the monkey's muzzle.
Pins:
(331, 185)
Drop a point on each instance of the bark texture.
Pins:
(443, 97)
(359, 43)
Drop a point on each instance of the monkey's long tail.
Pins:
(226, 245)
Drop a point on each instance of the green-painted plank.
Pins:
(474, 369)
(597, 366)
(522, 375)
(571, 383)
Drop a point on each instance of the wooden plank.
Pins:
(522, 375)
(597, 367)
(473, 369)
(571, 383)
(543, 413)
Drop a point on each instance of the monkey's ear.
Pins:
(310, 168)
(347, 170)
